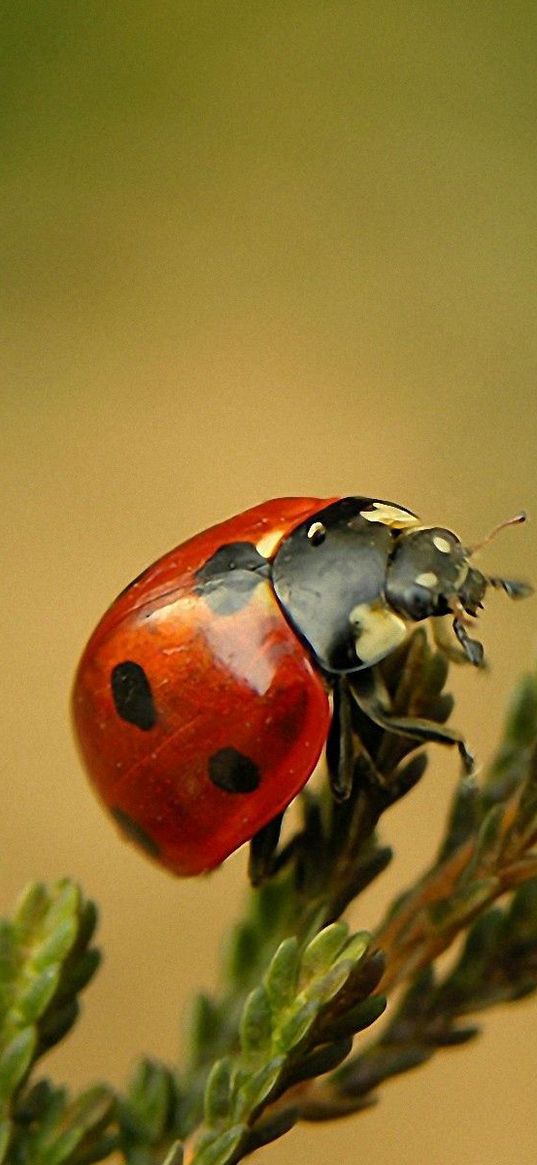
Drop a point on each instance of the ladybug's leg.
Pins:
(340, 752)
(454, 641)
(263, 848)
(368, 692)
(472, 649)
(446, 641)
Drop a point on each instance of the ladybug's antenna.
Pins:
(515, 521)
(512, 587)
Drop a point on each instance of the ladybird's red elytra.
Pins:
(206, 694)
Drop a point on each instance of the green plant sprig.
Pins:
(46, 960)
(277, 1042)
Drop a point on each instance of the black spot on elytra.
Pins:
(234, 556)
(135, 832)
(233, 772)
(226, 580)
(132, 695)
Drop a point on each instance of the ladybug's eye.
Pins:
(316, 534)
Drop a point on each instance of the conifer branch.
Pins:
(297, 1030)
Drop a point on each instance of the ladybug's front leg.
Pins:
(340, 750)
(263, 849)
(370, 695)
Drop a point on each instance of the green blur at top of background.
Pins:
(256, 249)
(350, 183)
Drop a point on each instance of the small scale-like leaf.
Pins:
(421, 988)
(366, 871)
(256, 1088)
(321, 1060)
(56, 1023)
(408, 774)
(151, 1094)
(527, 809)
(35, 1102)
(56, 945)
(464, 817)
(218, 1092)
(321, 952)
(356, 947)
(520, 923)
(269, 1128)
(321, 991)
(6, 1129)
(61, 1148)
(81, 972)
(488, 842)
(368, 973)
(15, 1060)
(282, 975)
(356, 1019)
(30, 911)
(296, 1026)
(92, 1110)
(256, 1022)
(362, 1074)
(64, 902)
(88, 917)
(480, 947)
(464, 903)
(521, 726)
(218, 1150)
(8, 966)
(202, 1025)
(33, 1000)
(456, 1036)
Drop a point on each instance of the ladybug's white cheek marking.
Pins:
(390, 516)
(427, 579)
(377, 631)
(268, 543)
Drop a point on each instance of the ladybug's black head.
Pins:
(355, 576)
(430, 574)
(425, 571)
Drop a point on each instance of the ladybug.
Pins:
(209, 689)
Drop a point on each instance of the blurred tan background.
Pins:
(255, 249)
